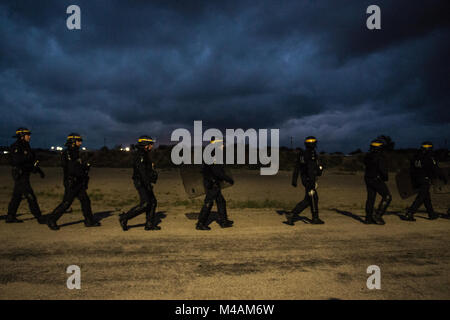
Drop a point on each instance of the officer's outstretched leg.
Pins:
(151, 223)
(371, 194)
(428, 205)
(202, 223)
(69, 196)
(386, 199)
(222, 211)
(314, 204)
(142, 207)
(417, 203)
(14, 204)
(89, 220)
(33, 204)
(302, 205)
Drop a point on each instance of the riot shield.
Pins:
(438, 185)
(404, 183)
(192, 178)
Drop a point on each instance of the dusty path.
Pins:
(259, 258)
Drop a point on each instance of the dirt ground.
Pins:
(259, 258)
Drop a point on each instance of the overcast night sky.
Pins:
(305, 67)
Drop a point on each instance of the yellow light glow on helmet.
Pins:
(427, 146)
(376, 144)
(22, 131)
(73, 137)
(310, 140)
(145, 140)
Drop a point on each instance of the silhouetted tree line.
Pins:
(115, 158)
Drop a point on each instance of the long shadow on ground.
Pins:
(160, 215)
(296, 217)
(97, 217)
(213, 216)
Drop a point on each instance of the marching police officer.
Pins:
(213, 175)
(23, 162)
(375, 177)
(424, 168)
(144, 175)
(76, 178)
(307, 164)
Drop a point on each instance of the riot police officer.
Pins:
(76, 179)
(23, 162)
(375, 177)
(307, 164)
(424, 168)
(144, 175)
(213, 175)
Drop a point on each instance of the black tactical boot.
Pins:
(91, 223)
(369, 219)
(10, 219)
(379, 220)
(123, 221)
(52, 224)
(201, 226)
(225, 223)
(433, 216)
(149, 226)
(409, 216)
(41, 220)
(290, 218)
(315, 219)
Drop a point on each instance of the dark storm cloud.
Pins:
(306, 67)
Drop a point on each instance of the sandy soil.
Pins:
(259, 258)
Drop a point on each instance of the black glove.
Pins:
(42, 174)
(230, 181)
(294, 184)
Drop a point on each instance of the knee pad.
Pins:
(311, 193)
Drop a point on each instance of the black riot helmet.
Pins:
(72, 139)
(310, 142)
(145, 141)
(21, 132)
(426, 146)
(376, 145)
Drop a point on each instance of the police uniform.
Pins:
(375, 176)
(23, 162)
(213, 175)
(144, 175)
(307, 165)
(76, 179)
(424, 168)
